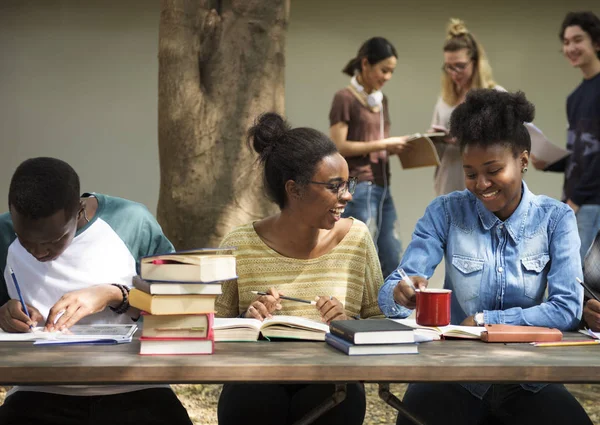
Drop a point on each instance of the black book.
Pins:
(372, 331)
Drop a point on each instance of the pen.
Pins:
(588, 289)
(566, 343)
(283, 297)
(405, 277)
(14, 278)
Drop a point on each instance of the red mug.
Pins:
(433, 307)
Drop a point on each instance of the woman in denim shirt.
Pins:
(503, 247)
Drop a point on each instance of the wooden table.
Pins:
(439, 361)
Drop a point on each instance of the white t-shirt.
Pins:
(104, 251)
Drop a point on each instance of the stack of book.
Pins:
(371, 336)
(176, 294)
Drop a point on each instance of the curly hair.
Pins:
(490, 117)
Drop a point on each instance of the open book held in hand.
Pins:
(431, 333)
(200, 265)
(76, 334)
(421, 152)
(291, 327)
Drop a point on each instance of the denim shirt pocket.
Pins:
(534, 276)
(471, 274)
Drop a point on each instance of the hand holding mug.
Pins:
(404, 293)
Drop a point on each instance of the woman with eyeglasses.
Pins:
(307, 251)
(465, 67)
(360, 127)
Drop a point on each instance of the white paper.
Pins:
(451, 330)
(542, 148)
(77, 333)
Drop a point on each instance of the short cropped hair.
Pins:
(42, 186)
(587, 21)
(489, 117)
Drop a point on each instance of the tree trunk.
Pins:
(221, 64)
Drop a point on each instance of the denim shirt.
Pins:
(500, 268)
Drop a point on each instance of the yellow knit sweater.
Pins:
(350, 272)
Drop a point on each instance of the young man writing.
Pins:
(75, 257)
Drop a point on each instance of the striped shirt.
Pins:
(350, 272)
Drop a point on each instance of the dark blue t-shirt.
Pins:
(582, 167)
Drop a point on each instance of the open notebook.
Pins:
(77, 334)
(432, 333)
(292, 327)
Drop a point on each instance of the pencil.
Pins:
(566, 343)
(14, 278)
(283, 297)
(588, 289)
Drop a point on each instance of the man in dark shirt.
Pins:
(580, 35)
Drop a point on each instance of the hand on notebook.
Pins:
(404, 293)
(591, 315)
(13, 318)
(438, 128)
(330, 309)
(395, 145)
(264, 305)
(74, 306)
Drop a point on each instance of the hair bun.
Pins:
(268, 130)
(524, 110)
(456, 28)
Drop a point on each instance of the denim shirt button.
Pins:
(500, 269)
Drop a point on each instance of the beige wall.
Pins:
(78, 79)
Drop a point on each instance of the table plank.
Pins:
(440, 361)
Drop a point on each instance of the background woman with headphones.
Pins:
(359, 126)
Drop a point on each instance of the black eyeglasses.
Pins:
(457, 67)
(340, 187)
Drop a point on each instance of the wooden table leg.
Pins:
(392, 400)
(336, 398)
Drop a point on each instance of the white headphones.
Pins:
(373, 99)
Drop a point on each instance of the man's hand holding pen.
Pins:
(14, 319)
